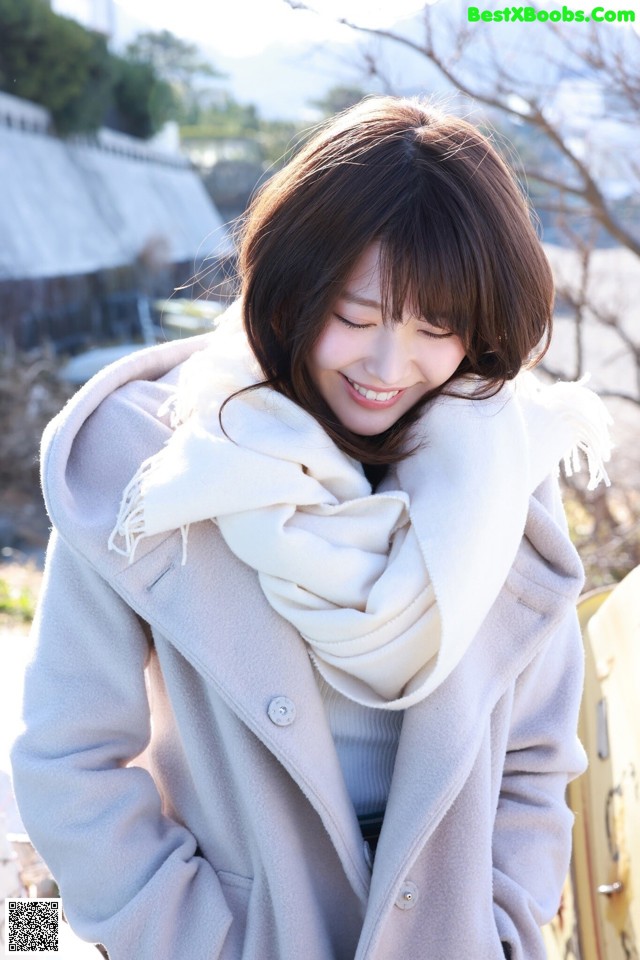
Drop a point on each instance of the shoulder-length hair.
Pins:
(456, 239)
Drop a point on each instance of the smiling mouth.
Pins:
(369, 394)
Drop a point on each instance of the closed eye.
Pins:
(350, 324)
(435, 334)
(440, 335)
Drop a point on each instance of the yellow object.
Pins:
(600, 915)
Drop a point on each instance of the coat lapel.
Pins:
(443, 734)
(215, 614)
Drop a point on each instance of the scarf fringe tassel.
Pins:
(130, 523)
(590, 421)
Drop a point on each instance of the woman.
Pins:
(311, 690)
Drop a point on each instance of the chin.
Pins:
(369, 429)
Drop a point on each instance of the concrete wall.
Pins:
(77, 206)
(87, 223)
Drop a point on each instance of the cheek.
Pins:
(441, 361)
(452, 355)
(457, 352)
(330, 350)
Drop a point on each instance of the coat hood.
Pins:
(78, 465)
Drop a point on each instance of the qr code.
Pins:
(31, 926)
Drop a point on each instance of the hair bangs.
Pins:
(426, 268)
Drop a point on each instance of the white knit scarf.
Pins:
(387, 588)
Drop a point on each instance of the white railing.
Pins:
(24, 115)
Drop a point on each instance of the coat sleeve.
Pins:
(532, 833)
(129, 877)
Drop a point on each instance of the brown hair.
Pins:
(456, 243)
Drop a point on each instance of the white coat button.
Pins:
(408, 896)
(282, 711)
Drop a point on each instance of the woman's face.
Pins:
(370, 373)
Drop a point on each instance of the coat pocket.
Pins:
(236, 890)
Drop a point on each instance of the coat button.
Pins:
(408, 896)
(282, 711)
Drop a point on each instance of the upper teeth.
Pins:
(371, 394)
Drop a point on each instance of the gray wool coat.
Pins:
(178, 774)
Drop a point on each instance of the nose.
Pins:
(389, 358)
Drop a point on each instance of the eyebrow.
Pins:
(361, 301)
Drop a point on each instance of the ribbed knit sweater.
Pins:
(366, 742)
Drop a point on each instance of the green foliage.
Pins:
(142, 101)
(55, 62)
(225, 112)
(16, 602)
(228, 119)
(180, 65)
(337, 99)
(281, 140)
(173, 59)
(269, 142)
